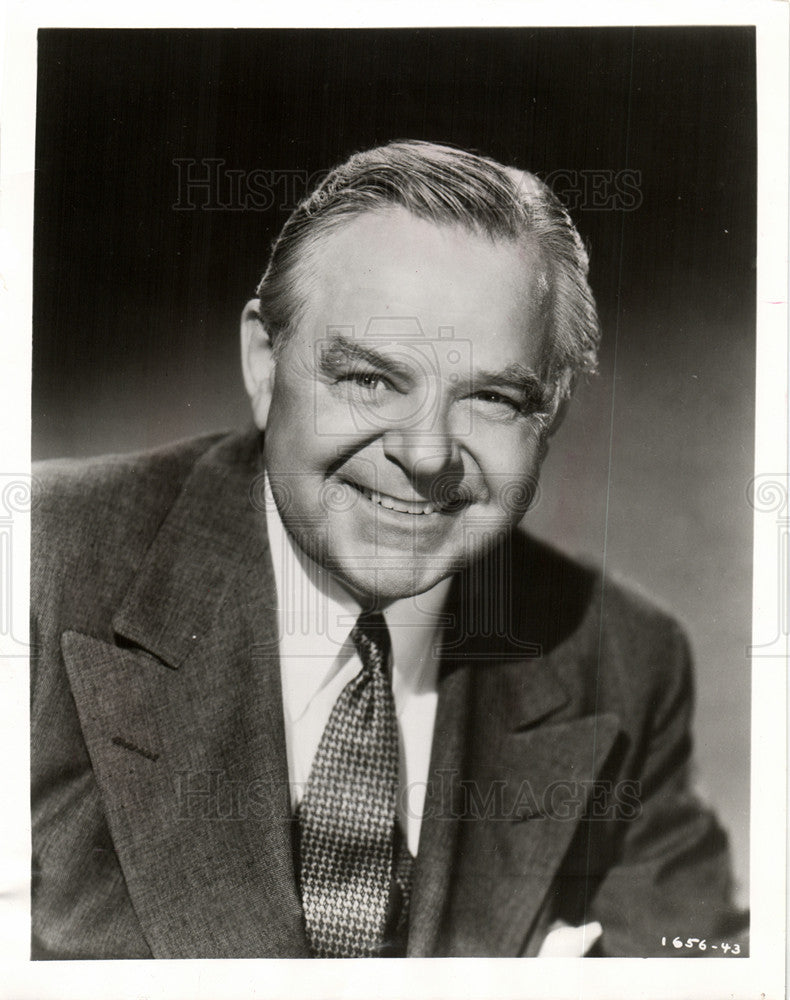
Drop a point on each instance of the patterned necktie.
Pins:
(347, 816)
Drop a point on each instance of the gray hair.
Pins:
(451, 187)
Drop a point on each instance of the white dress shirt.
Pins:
(317, 659)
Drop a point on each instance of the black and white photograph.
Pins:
(396, 500)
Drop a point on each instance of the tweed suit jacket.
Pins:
(161, 814)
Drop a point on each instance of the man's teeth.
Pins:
(402, 506)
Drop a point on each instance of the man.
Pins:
(306, 691)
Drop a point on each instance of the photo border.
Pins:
(763, 972)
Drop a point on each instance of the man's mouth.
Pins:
(414, 507)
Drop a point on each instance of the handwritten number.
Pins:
(702, 945)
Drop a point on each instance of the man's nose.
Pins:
(422, 452)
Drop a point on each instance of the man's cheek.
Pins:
(327, 419)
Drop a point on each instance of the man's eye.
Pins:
(498, 399)
(369, 381)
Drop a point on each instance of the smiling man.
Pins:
(423, 439)
(307, 691)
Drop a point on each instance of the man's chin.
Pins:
(387, 583)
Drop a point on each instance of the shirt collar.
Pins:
(414, 623)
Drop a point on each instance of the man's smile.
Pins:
(398, 504)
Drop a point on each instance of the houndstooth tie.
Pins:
(347, 816)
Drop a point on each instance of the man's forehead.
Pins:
(402, 225)
(393, 262)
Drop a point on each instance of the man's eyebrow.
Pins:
(518, 377)
(338, 351)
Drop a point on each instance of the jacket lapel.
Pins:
(513, 757)
(516, 832)
(439, 828)
(183, 722)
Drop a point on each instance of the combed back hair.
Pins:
(446, 186)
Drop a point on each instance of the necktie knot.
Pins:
(371, 638)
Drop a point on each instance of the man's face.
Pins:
(401, 438)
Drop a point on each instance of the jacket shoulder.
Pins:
(569, 590)
(93, 519)
(78, 479)
(69, 488)
(629, 649)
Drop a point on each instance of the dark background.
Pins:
(137, 296)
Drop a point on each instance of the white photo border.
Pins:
(762, 973)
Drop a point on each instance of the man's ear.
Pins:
(559, 416)
(553, 427)
(257, 362)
